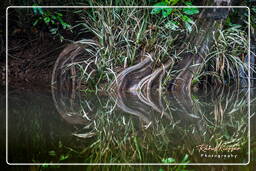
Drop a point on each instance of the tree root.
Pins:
(129, 78)
(139, 82)
(66, 81)
(140, 77)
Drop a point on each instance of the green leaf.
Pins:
(190, 11)
(185, 159)
(35, 10)
(59, 14)
(45, 166)
(166, 11)
(188, 3)
(53, 30)
(228, 21)
(65, 25)
(47, 19)
(64, 157)
(187, 19)
(158, 10)
(53, 17)
(61, 38)
(78, 11)
(60, 20)
(52, 153)
(35, 23)
(188, 27)
(173, 25)
(40, 11)
(194, 97)
(195, 81)
(168, 160)
(173, 2)
(235, 26)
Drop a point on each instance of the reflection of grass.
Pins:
(223, 113)
(122, 138)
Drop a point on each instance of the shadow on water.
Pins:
(209, 127)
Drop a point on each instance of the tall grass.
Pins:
(120, 37)
(123, 36)
(226, 61)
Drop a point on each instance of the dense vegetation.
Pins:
(67, 25)
(115, 49)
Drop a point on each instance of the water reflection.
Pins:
(127, 127)
(211, 127)
(119, 127)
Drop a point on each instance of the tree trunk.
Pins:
(208, 22)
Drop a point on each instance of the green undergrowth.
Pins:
(122, 36)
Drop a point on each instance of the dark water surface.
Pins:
(54, 127)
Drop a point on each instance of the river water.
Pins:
(54, 127)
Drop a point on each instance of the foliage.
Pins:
(170, 160)
(53, 20)
(225, 62)
(123, 37)
(118, 135)
(116, 46)
(176, 15)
